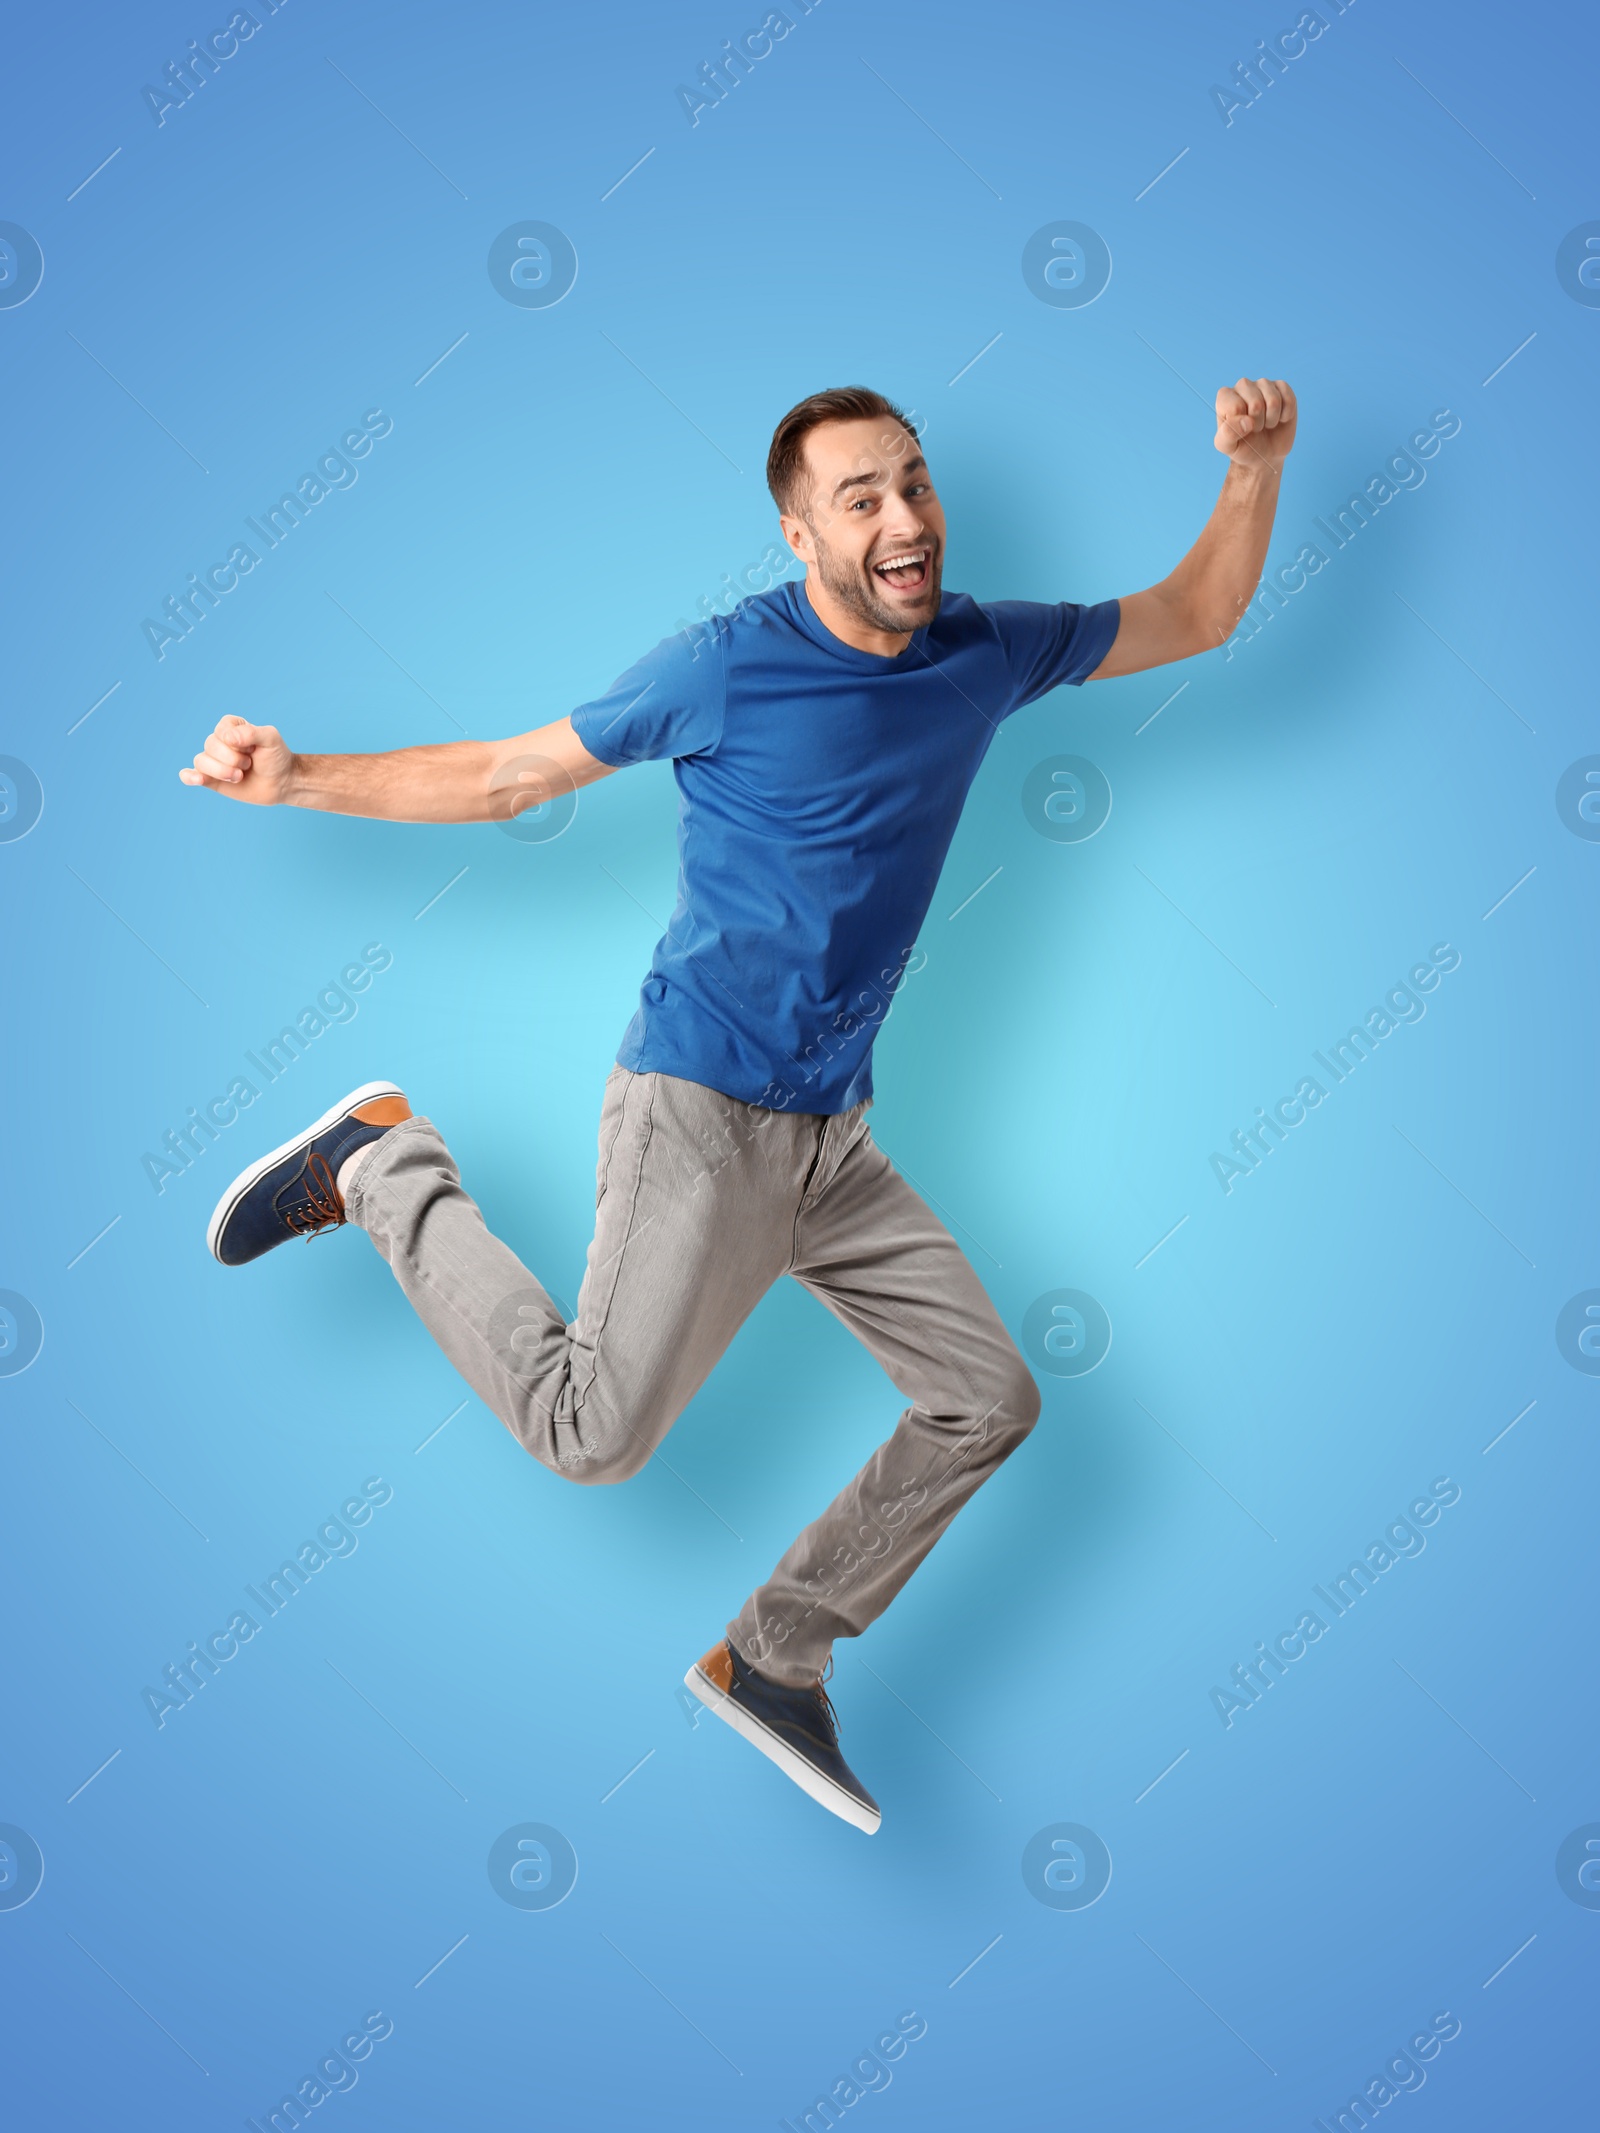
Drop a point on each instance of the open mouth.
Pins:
(906, 570)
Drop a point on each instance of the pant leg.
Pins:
(694, 1220)
(874, 1253)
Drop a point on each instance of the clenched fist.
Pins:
(1255, 422)
(244, 761)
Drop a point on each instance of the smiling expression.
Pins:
(872, 527)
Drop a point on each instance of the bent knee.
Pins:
(609, 1448)
(598, 1473)
(601, 1467)
(1019, 1403)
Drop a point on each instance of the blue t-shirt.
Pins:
(819, 787)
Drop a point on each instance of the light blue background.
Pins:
(1301, 1359)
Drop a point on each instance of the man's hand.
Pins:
(1255, 422)
(1198, 605)
(246, 762)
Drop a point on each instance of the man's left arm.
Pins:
(1197, 607)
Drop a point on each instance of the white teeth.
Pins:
(902, 562)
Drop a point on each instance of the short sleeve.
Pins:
(1047, 645)
(669, 704)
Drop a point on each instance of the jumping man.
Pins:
(823, 737)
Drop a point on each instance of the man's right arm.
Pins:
(453, 781)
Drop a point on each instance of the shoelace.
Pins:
(826, 1700)
(325, 1209)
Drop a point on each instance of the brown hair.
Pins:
(842, 403)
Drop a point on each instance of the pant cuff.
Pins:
(373, 1170)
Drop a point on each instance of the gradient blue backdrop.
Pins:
(1303, 1890)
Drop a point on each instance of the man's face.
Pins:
(870, 524)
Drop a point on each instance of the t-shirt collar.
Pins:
(805, 618)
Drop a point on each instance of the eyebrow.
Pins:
(855, 481)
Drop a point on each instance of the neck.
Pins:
(841, 622)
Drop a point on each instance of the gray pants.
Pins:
(701, 1203)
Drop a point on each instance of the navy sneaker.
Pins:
(796, 1728)
(292, 1192)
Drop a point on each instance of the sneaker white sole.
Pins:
(246, 1178)
(821, 1789)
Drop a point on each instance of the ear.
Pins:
(799, 536)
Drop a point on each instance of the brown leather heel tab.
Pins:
(717, 1666)
(382, 1111)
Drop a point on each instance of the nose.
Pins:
(903, 522)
